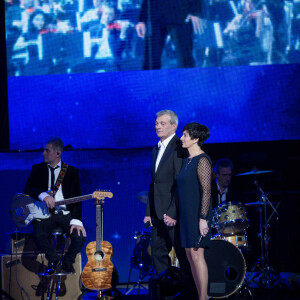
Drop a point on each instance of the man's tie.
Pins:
(220, 196)
(52, 176)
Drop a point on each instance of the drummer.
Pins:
(222, 190)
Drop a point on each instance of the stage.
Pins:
(287, 288)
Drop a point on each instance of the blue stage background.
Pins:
(117, 110)
(112, 117)
(126, 172)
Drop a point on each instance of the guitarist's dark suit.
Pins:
(38, 183)
(162, 200)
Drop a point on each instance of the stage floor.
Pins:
(287, 288)
(257, 295)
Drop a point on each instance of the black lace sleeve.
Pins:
(204, 174)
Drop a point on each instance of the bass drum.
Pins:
(226, 268)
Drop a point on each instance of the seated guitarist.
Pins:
(64, 183)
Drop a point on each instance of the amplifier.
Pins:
(20, 279)
(23, 243)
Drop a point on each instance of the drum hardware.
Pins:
(141, 259)
(266, 275)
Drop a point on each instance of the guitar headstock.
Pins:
(100, 195)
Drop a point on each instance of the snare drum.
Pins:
(231, 218)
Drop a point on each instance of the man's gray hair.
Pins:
(174, 117)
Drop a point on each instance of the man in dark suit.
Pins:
(162, 208)
(221, 189)
(179, 18)
(42, 179)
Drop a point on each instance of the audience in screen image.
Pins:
(91, 16)
(26, 45)
(109, 33)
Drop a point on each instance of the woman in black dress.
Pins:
(195, 205)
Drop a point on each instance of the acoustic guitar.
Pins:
(97, 274)
(24, 209)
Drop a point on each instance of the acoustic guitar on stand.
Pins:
(97, 274)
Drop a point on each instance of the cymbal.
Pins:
(254, 172)
(268, 192)
(143, 196)
(257, 203)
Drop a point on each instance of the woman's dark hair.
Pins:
(197, 131)
(31, 28)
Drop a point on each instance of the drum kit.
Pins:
(225, 256)
(225, 259)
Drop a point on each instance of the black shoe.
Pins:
(67, 268)
(51, 268)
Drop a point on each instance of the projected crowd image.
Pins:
(79, 36)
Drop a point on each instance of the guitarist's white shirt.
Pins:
(59, 195)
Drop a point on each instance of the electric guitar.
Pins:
(24, 209)
(97, 274)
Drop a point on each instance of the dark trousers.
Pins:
(182, 37)
(42, 230)
(163, 238)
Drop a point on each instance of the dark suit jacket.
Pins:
(163, 185)
(115, 43)
(38, 183)
(233, 194)
(170, 11)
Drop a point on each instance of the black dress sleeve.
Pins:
(204, 171)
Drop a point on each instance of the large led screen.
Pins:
(78, 36)
(230, 64)
(238, 104)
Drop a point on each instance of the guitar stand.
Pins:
(100, 293)
(83, 293)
